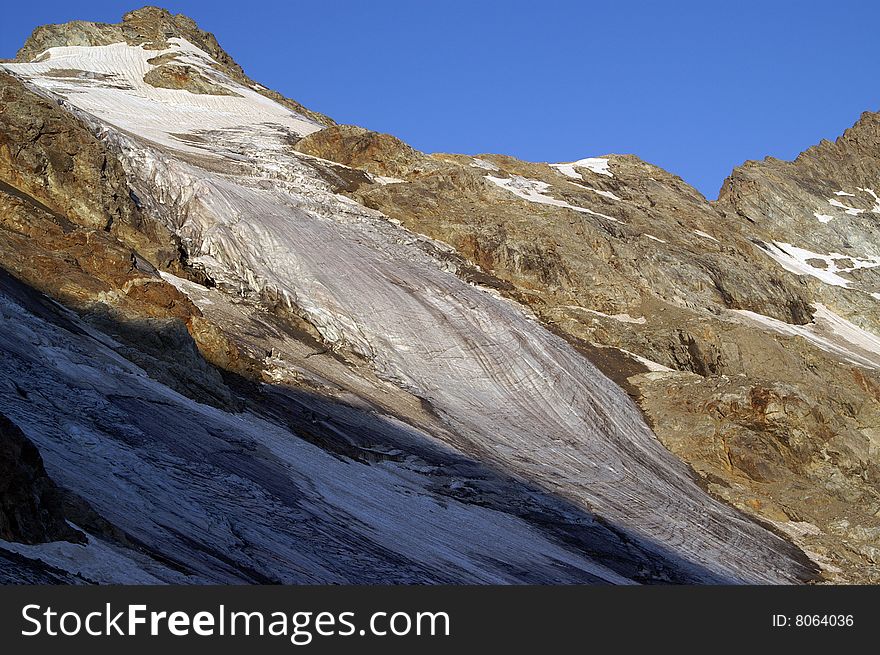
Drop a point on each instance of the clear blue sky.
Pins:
(695, 87)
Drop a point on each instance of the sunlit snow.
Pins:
(796, 260)
(534, 191)
(700, 233)
(852, 211)
(596, 164)
(120, 95)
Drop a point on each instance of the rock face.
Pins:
(30, 503)
(173, 76)
(379, 154)
(816, 216)
(502, 354)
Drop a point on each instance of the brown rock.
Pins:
(187, 78)
(379, 154)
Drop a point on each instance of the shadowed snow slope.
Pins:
(258, 217)
(206, 496)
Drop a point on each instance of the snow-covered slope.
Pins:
(260, 219)
(108, 81)
(207, 496)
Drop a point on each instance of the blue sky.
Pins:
(695, 87)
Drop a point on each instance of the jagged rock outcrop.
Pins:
(31, 510)
(174, 76)
(596, 248)
(380, 154)
(816, 216)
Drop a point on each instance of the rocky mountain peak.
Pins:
(148, 26)
(816, 216)
(151, 28)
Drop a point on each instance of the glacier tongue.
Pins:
(258, 217)
(205, 496)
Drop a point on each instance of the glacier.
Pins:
(262, 221)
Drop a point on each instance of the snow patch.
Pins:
(601, 192)
(385, 179)
(700, 233)
(830, 332)
(796, 260)
(482, 163)
(852, 211)
(607, 194)
(650, 364)
(876, 208)
(623, 318)
(534, 191)
(596, 164)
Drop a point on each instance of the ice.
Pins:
(823, 218)
(209, 496)
(97, 562)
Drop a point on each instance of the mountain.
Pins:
(252, 345)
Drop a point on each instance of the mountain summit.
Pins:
(151, 28)
(252, 345)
